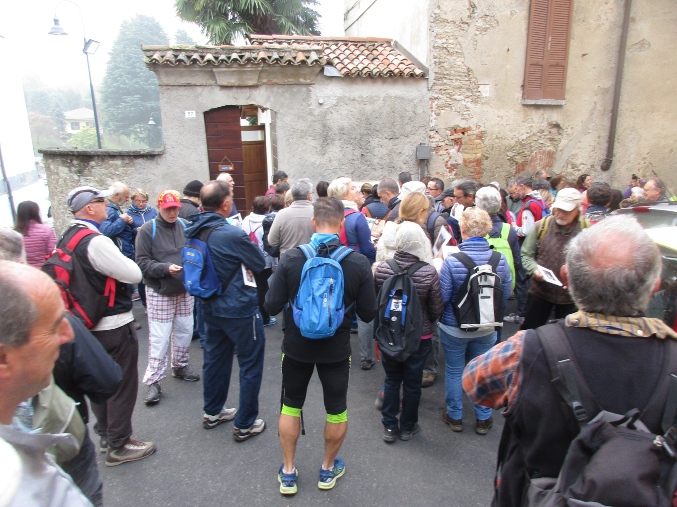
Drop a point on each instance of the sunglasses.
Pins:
(98, 199)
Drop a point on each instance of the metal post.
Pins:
(91, 89)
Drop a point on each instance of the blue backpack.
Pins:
(318, 308)
(199, 275)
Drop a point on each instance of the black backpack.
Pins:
(79, 295)
(400, 319)
(479, 302)
(266, 223)
(614, 459)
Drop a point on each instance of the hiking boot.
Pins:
(186, 373)
(103, 444)
(272, 322)
(242, 434)
(133, 450)
(137, 325)
(513, 318)
(153, 394)
(482, 427)
(379, 400)
(287, 481)
(329, 477)
(390, 435)
(212, 421)
(455, 424)
(367, 364)
(428, 379)
(408, 434)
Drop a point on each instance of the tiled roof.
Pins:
(77, 114)
(353, 57)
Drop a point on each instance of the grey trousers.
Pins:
(365, 334)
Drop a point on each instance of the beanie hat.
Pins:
(193, 189)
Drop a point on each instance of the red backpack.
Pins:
(79, 296)
(343, 237)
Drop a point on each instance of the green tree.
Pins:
(43, 132)
(182, 37)
(85, 139)
(58, 117)
(129, 91)
(223, 20)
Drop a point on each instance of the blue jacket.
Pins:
(358, 233)
(140, 217)
(229, 247)
(453, 275)
(118, 230)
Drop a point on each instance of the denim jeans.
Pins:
(521, 290)
(457, 353)
(199, 322)
(408, 374)
(223, 335)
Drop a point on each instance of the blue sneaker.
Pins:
(272, 322)
(287, 481)
(328, 478)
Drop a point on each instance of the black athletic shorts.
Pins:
(334, 377)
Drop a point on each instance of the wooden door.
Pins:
(224, 145)
(255, 169)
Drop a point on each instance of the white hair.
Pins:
(488, 199)
(339, 187)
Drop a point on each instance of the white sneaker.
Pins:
(514, 319)
(212, 421)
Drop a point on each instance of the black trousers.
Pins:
(538, 311)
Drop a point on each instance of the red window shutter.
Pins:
(547, 49)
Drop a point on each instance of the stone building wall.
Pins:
(68, 169)
(478, 124)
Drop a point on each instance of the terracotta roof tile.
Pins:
(365, 57)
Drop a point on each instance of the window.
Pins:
(545, 71)
(75, 125)
(89, 124)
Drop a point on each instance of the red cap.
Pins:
(169, 199)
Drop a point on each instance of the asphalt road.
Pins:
(194, 466)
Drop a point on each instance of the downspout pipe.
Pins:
(606, 163)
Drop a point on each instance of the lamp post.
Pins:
(89, 48)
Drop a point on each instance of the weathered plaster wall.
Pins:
(358, 127)
(403, 20)
(67, 170)
(478, 125)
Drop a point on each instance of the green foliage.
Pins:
(129, 92)
(85, 139)
(43, 132)
(182, 37)
(223, 20)
(58, 117)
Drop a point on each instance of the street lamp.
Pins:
(89, 48)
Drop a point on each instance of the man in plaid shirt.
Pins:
(621, 353)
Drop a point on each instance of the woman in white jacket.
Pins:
(253, 226)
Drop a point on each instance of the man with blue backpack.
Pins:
(230, 310)
(324, 282)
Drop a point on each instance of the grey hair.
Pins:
(118, 188)
(511, 182)
(388, 185)
(622, 287)
(301, 188)
(540, 184)
(12, 246)
(660, 186)
(18, 312)
(467, 186)
(525, 180)
(488, 199)
(339, 187)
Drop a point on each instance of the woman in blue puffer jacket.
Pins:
(461, 346)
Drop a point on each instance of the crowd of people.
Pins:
(547, 241)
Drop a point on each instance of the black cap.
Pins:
(447, 192)
(193, 188)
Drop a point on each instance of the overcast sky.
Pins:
(59, 60)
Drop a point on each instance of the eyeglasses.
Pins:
(141, 201)
(98, 199)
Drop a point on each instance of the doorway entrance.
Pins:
(238, 144)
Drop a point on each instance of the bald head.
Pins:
(613, 281)
(22, 288)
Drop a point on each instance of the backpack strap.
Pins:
(505, 232)
(181, 221)
(341, 253)
(308, 251)
(154, 229)
(668, 421)
(566, 377)
(465, 260)
(543, 228)
(78, 236)
(395, 266)
(415, 267)
(367, 213)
